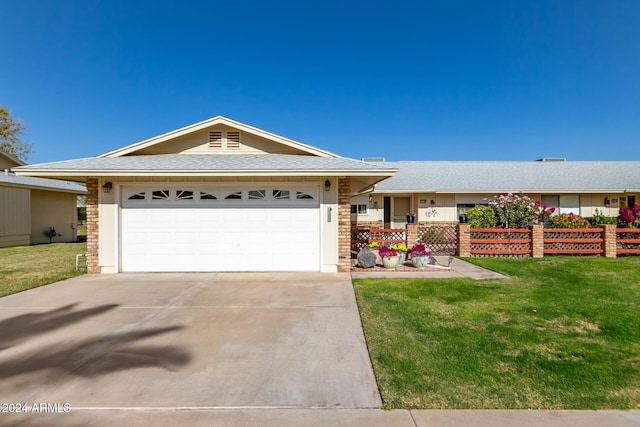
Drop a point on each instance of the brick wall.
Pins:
(92, 225)
(344, 224)
(412, 235)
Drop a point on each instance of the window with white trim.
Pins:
(360, 209)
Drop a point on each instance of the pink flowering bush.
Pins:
(629, 217)
(514, 211)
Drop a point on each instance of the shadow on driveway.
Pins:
(19, 328)
(90, 357)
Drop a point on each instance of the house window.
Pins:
(462, 207)
(137, 196)
(360, 209)
(550, 200)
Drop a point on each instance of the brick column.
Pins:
(92, 225)
(412, 235)
(537, 241)
(609, 237)
(464, 240)
(344, 224)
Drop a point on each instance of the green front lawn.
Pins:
(563, 332)
(26, 267)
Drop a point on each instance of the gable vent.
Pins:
(215, 139)
(233, 140)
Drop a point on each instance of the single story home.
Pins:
(439, 191)
(218, 195)
(32, 208)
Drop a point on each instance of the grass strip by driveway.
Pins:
(26, 267)
(562, 333)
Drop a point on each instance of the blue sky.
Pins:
(414, 80)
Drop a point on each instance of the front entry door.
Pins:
(387, 212)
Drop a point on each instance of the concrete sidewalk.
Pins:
(194, 417)
(459, 269)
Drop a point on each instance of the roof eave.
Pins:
(503, 191)
(43, 187)
(57, 173)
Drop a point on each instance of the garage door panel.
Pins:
(208, 238)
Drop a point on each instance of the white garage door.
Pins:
(256, 228)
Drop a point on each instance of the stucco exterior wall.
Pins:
(53, 209)
(15, 223)
(442, 207)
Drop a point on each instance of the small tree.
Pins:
(10, 132)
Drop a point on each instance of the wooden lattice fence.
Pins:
(361, 237)
(440, 239)
(628, 241)
(500, 242)
(573, 241)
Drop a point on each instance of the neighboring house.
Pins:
(217, 195)
(29, 207)
(439, 191)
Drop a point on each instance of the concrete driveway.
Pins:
(198, 340)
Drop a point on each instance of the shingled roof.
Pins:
(499, 177)
(208, 164)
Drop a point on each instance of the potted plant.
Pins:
(401, 250)
(390, 258)
(419, 256)
(411, 217)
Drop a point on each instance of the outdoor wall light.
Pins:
(433, 202)
(327, 185)
(107, 186)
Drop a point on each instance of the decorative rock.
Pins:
(366, 258)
